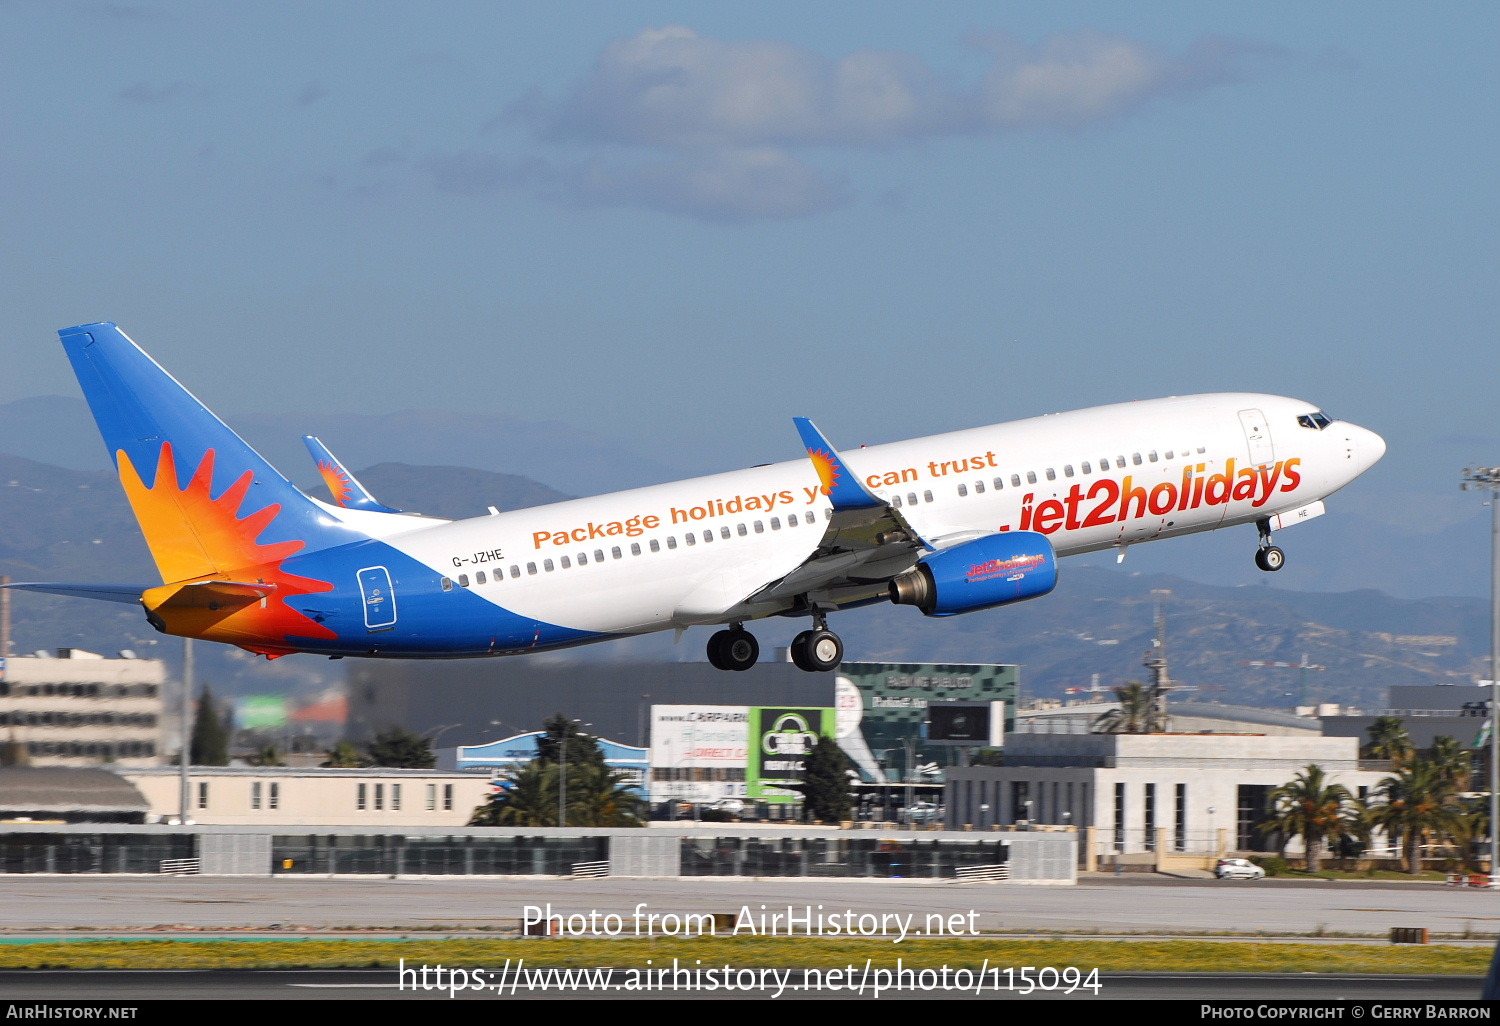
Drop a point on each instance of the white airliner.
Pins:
(949, 524)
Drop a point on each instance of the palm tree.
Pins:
(528, 798)
(1137, 714)
(1452, 761)
(1310, 807)
(1414, 803)
(598, 797)
(1389, 740)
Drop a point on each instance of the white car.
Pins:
(731, 805)
(1238, 869)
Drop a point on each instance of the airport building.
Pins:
(77, 708)
(1147, 793)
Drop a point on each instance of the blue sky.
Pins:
(680, 224)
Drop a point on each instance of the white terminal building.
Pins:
(78, 708)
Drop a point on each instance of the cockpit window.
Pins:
(1316, 421)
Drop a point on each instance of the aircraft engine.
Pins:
(995, 570)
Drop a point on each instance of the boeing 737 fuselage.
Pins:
(949, 523)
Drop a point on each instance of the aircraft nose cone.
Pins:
(1369, 446)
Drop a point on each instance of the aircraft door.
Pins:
(379, 598)
(1257, 437)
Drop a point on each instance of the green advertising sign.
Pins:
(779, 740)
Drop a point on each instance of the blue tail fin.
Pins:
(208, 504)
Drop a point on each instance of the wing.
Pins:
(866, 542)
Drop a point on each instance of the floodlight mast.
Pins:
(1488, 479)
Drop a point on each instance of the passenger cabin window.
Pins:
(479, 577)
(1135, 458)
(1031, 477)
(896, 501)
(598, 555)
(531, 568)
(1067, 470)
(978, 487)
(463, 580)
(671, 541)
(741, 529)
(760, 527)
(775, 523)
(724, 532)
(583, 559)
(615, 552)
(547, 565)
(655, 545)
(447, 584)
(566, 563)
(1051, 474)
(927, 496)
(1015, 481)
(635, 548)
(515, 571)
(1151, 456)
(963, 490)
(1086, 469)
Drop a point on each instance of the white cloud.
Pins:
(724, 117)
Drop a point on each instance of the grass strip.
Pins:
(757, 952)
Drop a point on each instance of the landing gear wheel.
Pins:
(817, 650)
(1270, 558)
(733, 650)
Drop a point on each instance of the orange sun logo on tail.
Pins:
(827, 465)
(337, 482)
(197, 539)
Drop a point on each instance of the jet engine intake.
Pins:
(995, 570)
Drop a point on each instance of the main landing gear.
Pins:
(1268, 557)
(819, 649)
(816, 651)
(734, 649)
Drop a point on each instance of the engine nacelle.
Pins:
(995, 570)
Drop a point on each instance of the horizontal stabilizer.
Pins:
(342, 485)
(128, 593)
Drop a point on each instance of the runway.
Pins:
(1103, 906)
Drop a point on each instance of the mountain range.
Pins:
(66, 524)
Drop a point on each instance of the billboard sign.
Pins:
(780, 740)
(883, 716)
(699, 753)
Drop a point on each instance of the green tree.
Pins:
(1452, 761)
(210, 740)
(1416, 803)
(598, 797)
(825, 788)
(401, 749)
(344, 755)
(1319, 812)
(269, 756)
(564, 740)
(528, 797)
(1389, 740)
(1137, 714)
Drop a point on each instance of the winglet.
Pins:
(843, 489)
(342, 485)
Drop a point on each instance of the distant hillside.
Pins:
(453, 493)
(71, 525)
(58, 524)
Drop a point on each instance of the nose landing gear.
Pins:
(1268, 557)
